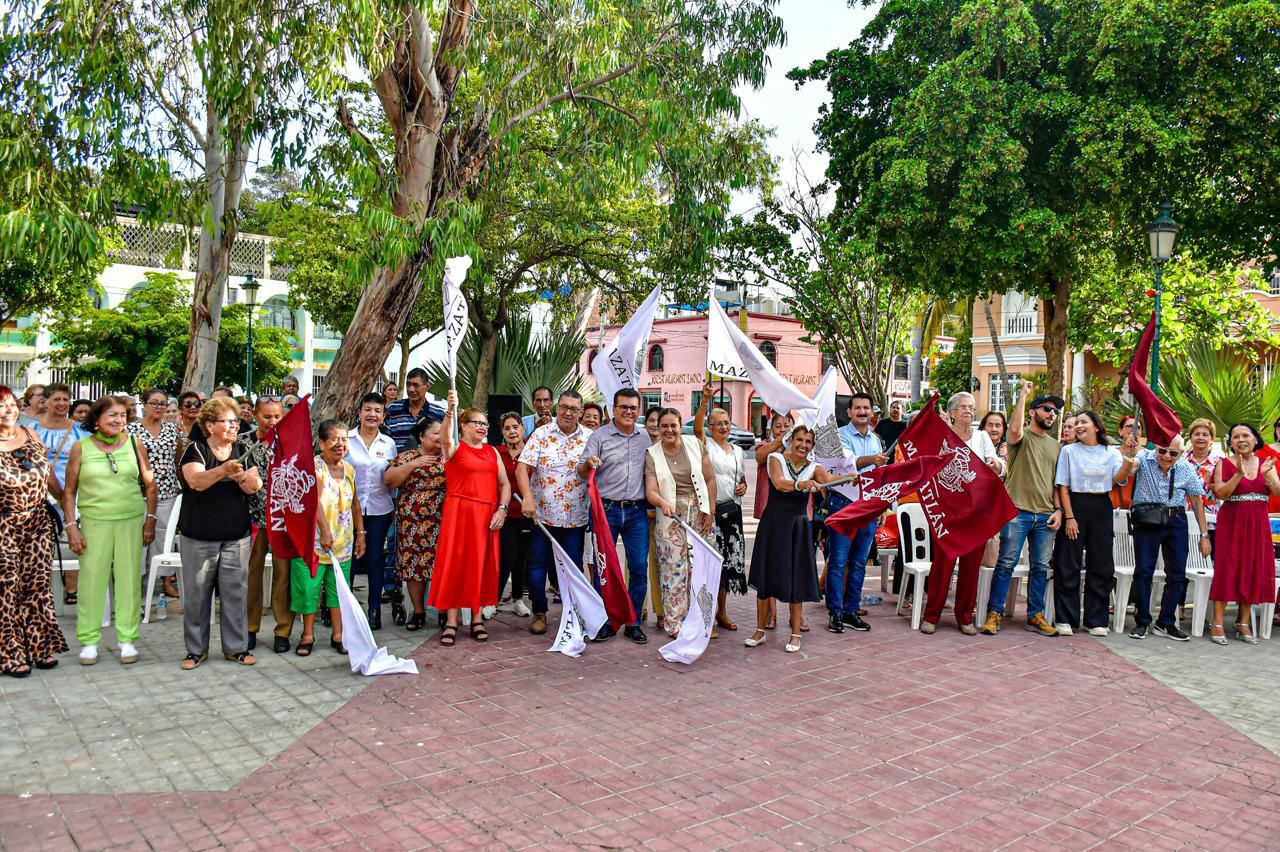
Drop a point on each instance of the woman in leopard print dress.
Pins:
(28, 628)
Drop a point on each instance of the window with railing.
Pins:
(1019, 313)
(13, 376)
(652, 399)
(317, 382)
(1274, 281)
(770, 352)
(997, 385)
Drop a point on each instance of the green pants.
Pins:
(304, 590)
(111, 549)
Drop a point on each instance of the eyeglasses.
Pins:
(483, 424)
(158, 404)
(627, 407)
(235, 423)
(1170, 453)
(23, 460)
(1048, 409)
(111, 460)
(570, 409)
(192, 403)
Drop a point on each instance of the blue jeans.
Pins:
(541, 559)
(374, 561)
(632, 523)
(1146, 546)
(845, 598)
(1012, 538)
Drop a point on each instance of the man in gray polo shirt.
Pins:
(617, 450)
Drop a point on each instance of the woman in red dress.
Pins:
(1244, 563)
(477, 492)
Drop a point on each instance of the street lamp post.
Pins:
(1160, 236)
(250, 287)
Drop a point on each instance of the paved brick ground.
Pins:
(885, 740)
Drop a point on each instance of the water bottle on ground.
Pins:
(871, 599)
(162, 608)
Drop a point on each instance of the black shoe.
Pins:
(398, 615)
(635, 634)
(1139, 631)
(605, 632)
(855, 621)
(337, 646)
(1171, 632)
(281, 646)
(834, 624)
(326, 618)
(253, 641)
(375, 619)
(386, 596)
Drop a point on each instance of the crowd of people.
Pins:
(414, 497)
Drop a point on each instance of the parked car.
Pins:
(737, 435)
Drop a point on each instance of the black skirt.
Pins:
(783, 564)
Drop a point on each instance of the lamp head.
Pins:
(1161, 235)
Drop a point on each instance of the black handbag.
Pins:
(1152, 516)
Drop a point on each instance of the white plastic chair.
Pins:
(1125, 561)
(1262, 615)
(1021, 571)
(167, 557)
(913, 532)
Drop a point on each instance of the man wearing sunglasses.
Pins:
(1033, 460)
(1163, 478)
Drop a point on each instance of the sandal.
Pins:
(19, 672)
(170, 590)
(70, 598)
(416, 621)
(336, 644)
(804, 626)
(192, 661)
(478, 631)
(771, 623)
(45, 665)
(723, 621)
(448, 635)
(304, 648)
(244, 658)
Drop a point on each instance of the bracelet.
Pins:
(151, 515)
(1068, 517)
(360, 532)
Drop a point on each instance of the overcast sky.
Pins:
(813, 28)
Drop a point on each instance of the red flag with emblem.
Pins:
(292, 499)
(965, 502)
(879, 488)
(613, 587)
(1161, 420)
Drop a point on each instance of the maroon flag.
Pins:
(965, 502)
(1162, 422)
(613, 587)
(880, 488)
(291, 487)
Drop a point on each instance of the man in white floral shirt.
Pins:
(554, 493)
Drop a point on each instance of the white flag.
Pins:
(455, 310)
(618, 365)
(364, 654)
(827, 449)
(731, 354)
(583, 613)
(704, 585)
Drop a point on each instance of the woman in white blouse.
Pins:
(731, 483)
(961, 408)
(1086, 471)
(371, 451)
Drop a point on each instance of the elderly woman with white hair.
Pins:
(961, 408)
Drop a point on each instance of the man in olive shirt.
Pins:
(1033, 460)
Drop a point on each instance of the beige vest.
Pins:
(667, 482)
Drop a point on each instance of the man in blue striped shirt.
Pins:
(403, 413)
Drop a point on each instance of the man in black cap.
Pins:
(1033, 460)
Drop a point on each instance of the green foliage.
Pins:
(988, 145)
(953, 372)
(1199, 306)
(524, 362)
(1227, 386)
(28, 288)
(155, 322)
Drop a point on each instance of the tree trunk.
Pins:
(405, 349)
(915, 365)
(995, 344)
(488, 364)
(1055, 332)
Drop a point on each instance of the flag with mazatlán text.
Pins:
(292, 499)
(880, 488)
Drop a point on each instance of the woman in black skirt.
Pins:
(783, 565)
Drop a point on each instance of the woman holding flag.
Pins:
(477, 493)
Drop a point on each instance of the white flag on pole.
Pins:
(704, 583)
(732, 355)
(583, 613)
(455, 310)
(618, 365)
(827, 449)
(364, 654)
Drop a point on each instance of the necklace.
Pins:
(792, 469)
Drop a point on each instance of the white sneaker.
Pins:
(1063, 629)
(489, 611)
(521, 609)
(1099, 631)
(88, 655)
(128, 653)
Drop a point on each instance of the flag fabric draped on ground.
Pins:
(291, 487)
(732, 355)
(455, 310)
(704, 584)
(1162, 423)
(583, 612)
(613, 586)
(965, 502)
(618, 364)
(881, 487)
(364, 654)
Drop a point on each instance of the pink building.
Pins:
(675, 365)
